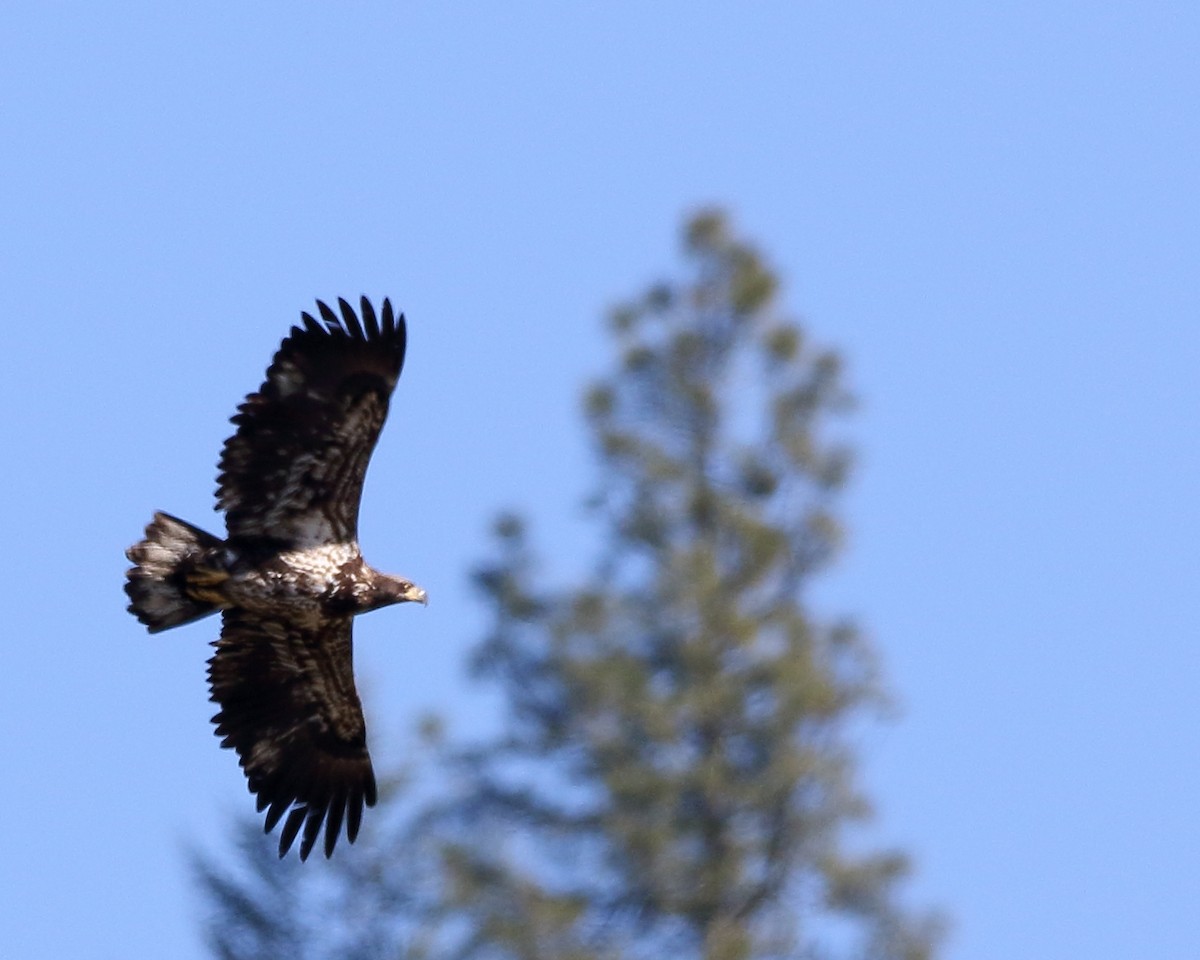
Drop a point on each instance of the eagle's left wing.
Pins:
(293, 473)
(290, 710)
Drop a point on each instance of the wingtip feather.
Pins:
(310, 324)
(354, 810)
(332, 323)
(370, 321)
(312, 830)
(350, 319)
(292, 827)
(333, 820)
(278, 807)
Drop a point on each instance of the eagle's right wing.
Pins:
(290, 710)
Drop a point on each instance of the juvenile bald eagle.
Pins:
(289, 578)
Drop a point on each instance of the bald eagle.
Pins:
(288, 579)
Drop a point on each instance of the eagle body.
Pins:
(308, 584)
(289, 577)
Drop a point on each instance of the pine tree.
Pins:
(675, 777)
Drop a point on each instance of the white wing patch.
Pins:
(288, 378)
(321, 562)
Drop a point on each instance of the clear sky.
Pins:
(993, 209)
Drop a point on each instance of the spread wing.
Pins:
(290, 710)
(293, 473)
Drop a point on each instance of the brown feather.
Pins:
(290, 710)
(294, 470)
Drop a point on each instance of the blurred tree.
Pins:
(674, 777)
(259, 913)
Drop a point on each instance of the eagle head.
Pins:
(389, 589)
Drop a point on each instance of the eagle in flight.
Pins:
(289, 578)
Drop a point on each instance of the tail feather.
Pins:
(157, 583)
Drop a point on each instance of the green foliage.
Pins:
(674, 778)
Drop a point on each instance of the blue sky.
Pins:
(993, 210)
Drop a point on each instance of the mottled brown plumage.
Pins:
(289, 578)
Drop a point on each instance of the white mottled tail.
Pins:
(158, 582)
